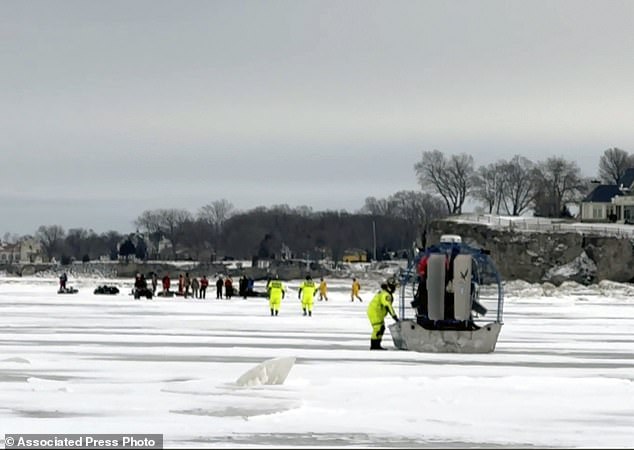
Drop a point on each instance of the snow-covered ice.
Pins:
(561, 375)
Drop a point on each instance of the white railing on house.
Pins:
(542, 224)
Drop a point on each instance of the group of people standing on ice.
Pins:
(245, 287)
(379, 307)
(192, 286)
(187, 285)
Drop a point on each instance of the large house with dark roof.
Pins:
(610, 202)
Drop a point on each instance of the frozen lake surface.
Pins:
(561, 376)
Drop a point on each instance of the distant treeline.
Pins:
(382, 227)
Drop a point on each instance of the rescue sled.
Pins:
(141, 292)
(68, 290)
(450, 301)
(106, 290)
(165, 294)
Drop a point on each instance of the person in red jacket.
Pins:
(420, 298)
(204, 282)
(228, 287)
(422, 266)
(166, 284)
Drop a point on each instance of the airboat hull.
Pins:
(408, 335)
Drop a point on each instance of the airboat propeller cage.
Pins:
(451, 284)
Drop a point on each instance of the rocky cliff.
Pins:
(555, 257)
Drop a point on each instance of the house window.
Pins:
(597, 212)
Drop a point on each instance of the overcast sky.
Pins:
(108, 108)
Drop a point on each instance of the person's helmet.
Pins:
(308, 277)
(391, 284)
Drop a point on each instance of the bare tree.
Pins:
(282, 208)
(519, 181)
(450, 178)
(150, 221)
(171, 222)
(216, 213)
(76, 242)
(613, 164)
(166, 223)
(488, 186)
(51, 238)
(376, 207)
(304, 211)
(559, 182)
(418, 208)
(110, 242)
(196, 239)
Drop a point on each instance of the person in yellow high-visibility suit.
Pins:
(378, 308)
(323, 290)
(306, 292)
(276, 290)
(356, 287)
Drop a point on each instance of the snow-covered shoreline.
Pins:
(512, 288)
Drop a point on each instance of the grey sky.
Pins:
(108, 108)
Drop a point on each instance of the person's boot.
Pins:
(304, 311)
(271, 311)
(375, 344)
(310, 313)
(276, 311)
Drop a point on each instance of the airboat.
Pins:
(450, 300)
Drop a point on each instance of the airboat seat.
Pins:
(459, 293)
(436, 287)
(462, 287)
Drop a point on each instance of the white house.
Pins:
(30, 250)
(9, 253)
(610, 202)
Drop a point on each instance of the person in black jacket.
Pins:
(62, 281)
(219, 285)
(140, 287)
